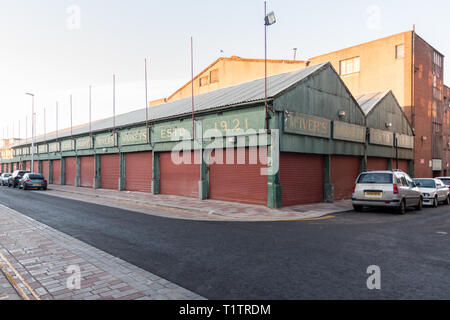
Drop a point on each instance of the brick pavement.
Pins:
(191, 208)
(42, 255)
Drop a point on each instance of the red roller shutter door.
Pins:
(27, 165)
(110, 171)
(402, 164)
(71, 170)
(344, 171)
(45, 169)
(301, 178)
(377, 163)
(87, 171)
(138, 171)
(56, 171)
(182, 179)
(239, 182)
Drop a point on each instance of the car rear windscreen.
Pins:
(375, 178)
(445, 181)
(35, 176)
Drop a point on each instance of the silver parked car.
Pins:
(4, 178)
(433, 191)
(390, 189)
(445, 180)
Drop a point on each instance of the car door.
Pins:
(441, 190)
(411, 192)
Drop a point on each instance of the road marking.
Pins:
(4, 298)
(442, 233)
(36, 296)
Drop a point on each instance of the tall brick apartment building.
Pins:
(414, 70)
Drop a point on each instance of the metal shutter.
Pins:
(182, 179)
(239, 182)
(56, 171)
(344, 171)
(138, 171)
(402, 165)
(45, 169)
(301, 178)
(71, 170)
(110, 171)
(377, 163)
(87, 171)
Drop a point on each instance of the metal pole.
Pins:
(265, 67)
(90, 111)
(32, 133)
(26, 129)
(146, 102)
(114, 102)
(45, 127)
(56, 120)
(192, 86)
(71, 116)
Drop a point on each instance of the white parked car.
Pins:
(389, 189)
(445, 180)
(434, 191)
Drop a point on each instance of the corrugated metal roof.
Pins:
(369, 101)
(242, 93)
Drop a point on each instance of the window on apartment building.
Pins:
(214, 76)
(400, 51)
(349, 66)
(204, 81)
(437, 59)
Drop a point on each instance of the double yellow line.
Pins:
(14, 283)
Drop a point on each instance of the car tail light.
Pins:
(27, 180)
(395, 189)
(45, 181)
(354, 189)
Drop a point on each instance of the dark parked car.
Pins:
(13, 181)
(4, 178)
(33, 181)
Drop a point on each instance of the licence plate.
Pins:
(36, 185)
(374, 194)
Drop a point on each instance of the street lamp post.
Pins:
(269, 19)
(32, 130)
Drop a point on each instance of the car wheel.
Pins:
(45, 188)
(357, 208)
(447, 200)
(402, 208)
(420, 205)
(435, 202)
(24, 187)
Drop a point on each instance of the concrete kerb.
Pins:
(313, 215)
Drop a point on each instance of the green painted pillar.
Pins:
(203, 184)
(122, 175)
(156, 183)
(411, 168)
(63, 171)
(328, 188)
(274, 188)
(390, 164)
(97, 175)
(50, 171)
(78, 172)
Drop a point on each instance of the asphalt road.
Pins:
(325, 259)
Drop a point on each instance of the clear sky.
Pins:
(55, 48)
